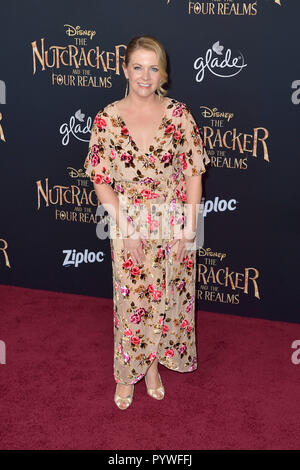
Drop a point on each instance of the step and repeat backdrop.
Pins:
(234, 63)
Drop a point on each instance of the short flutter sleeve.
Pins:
(192, 153)
(98, 162)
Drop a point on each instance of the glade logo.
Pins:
(76, 127)
(75, 258)
(224, 67)
(77, 31)
(2, 352)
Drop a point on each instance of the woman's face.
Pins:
(142, 70)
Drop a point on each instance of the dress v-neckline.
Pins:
(129, 132)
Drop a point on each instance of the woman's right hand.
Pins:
(135, 246)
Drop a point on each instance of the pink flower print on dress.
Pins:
(135, 340)
(124, 131)
(190, 263)
(182, 349)
(128, 263)
(113, 153)
(100, 122)
(178, 110)
(184, 323)
(194, 364)
(189, 307)
(148, 194)
(151, 288)
(106, 178)
(141, 311)
(166, 157)
(182, 158)
(94, 149)
(126, 357)
(180, 285)
(126, 157)
(169, 353)
(125, 291)
(177, 135)
(153, 223)
(116, 321)
(170, 129)
(173, 204)
(98, 179)
(135, 318)
(128, 332)
(119, 188)
(168, 249)
(135, 271)
(184, 165)
(95, 159)
(134, 381)
(156, 295)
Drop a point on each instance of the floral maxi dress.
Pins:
(154, 302)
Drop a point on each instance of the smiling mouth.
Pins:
(145, 85)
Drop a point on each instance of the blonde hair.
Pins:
(152, 44)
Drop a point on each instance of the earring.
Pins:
(126, 91)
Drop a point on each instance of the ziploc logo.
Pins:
(75, 258)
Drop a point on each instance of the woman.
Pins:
(146, 156)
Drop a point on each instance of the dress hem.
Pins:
(195, 367)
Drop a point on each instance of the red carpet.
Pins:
(57, 384)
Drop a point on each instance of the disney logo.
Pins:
(214, 113)
(77, 31)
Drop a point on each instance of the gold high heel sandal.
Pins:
(127, 400)
(153, 391)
